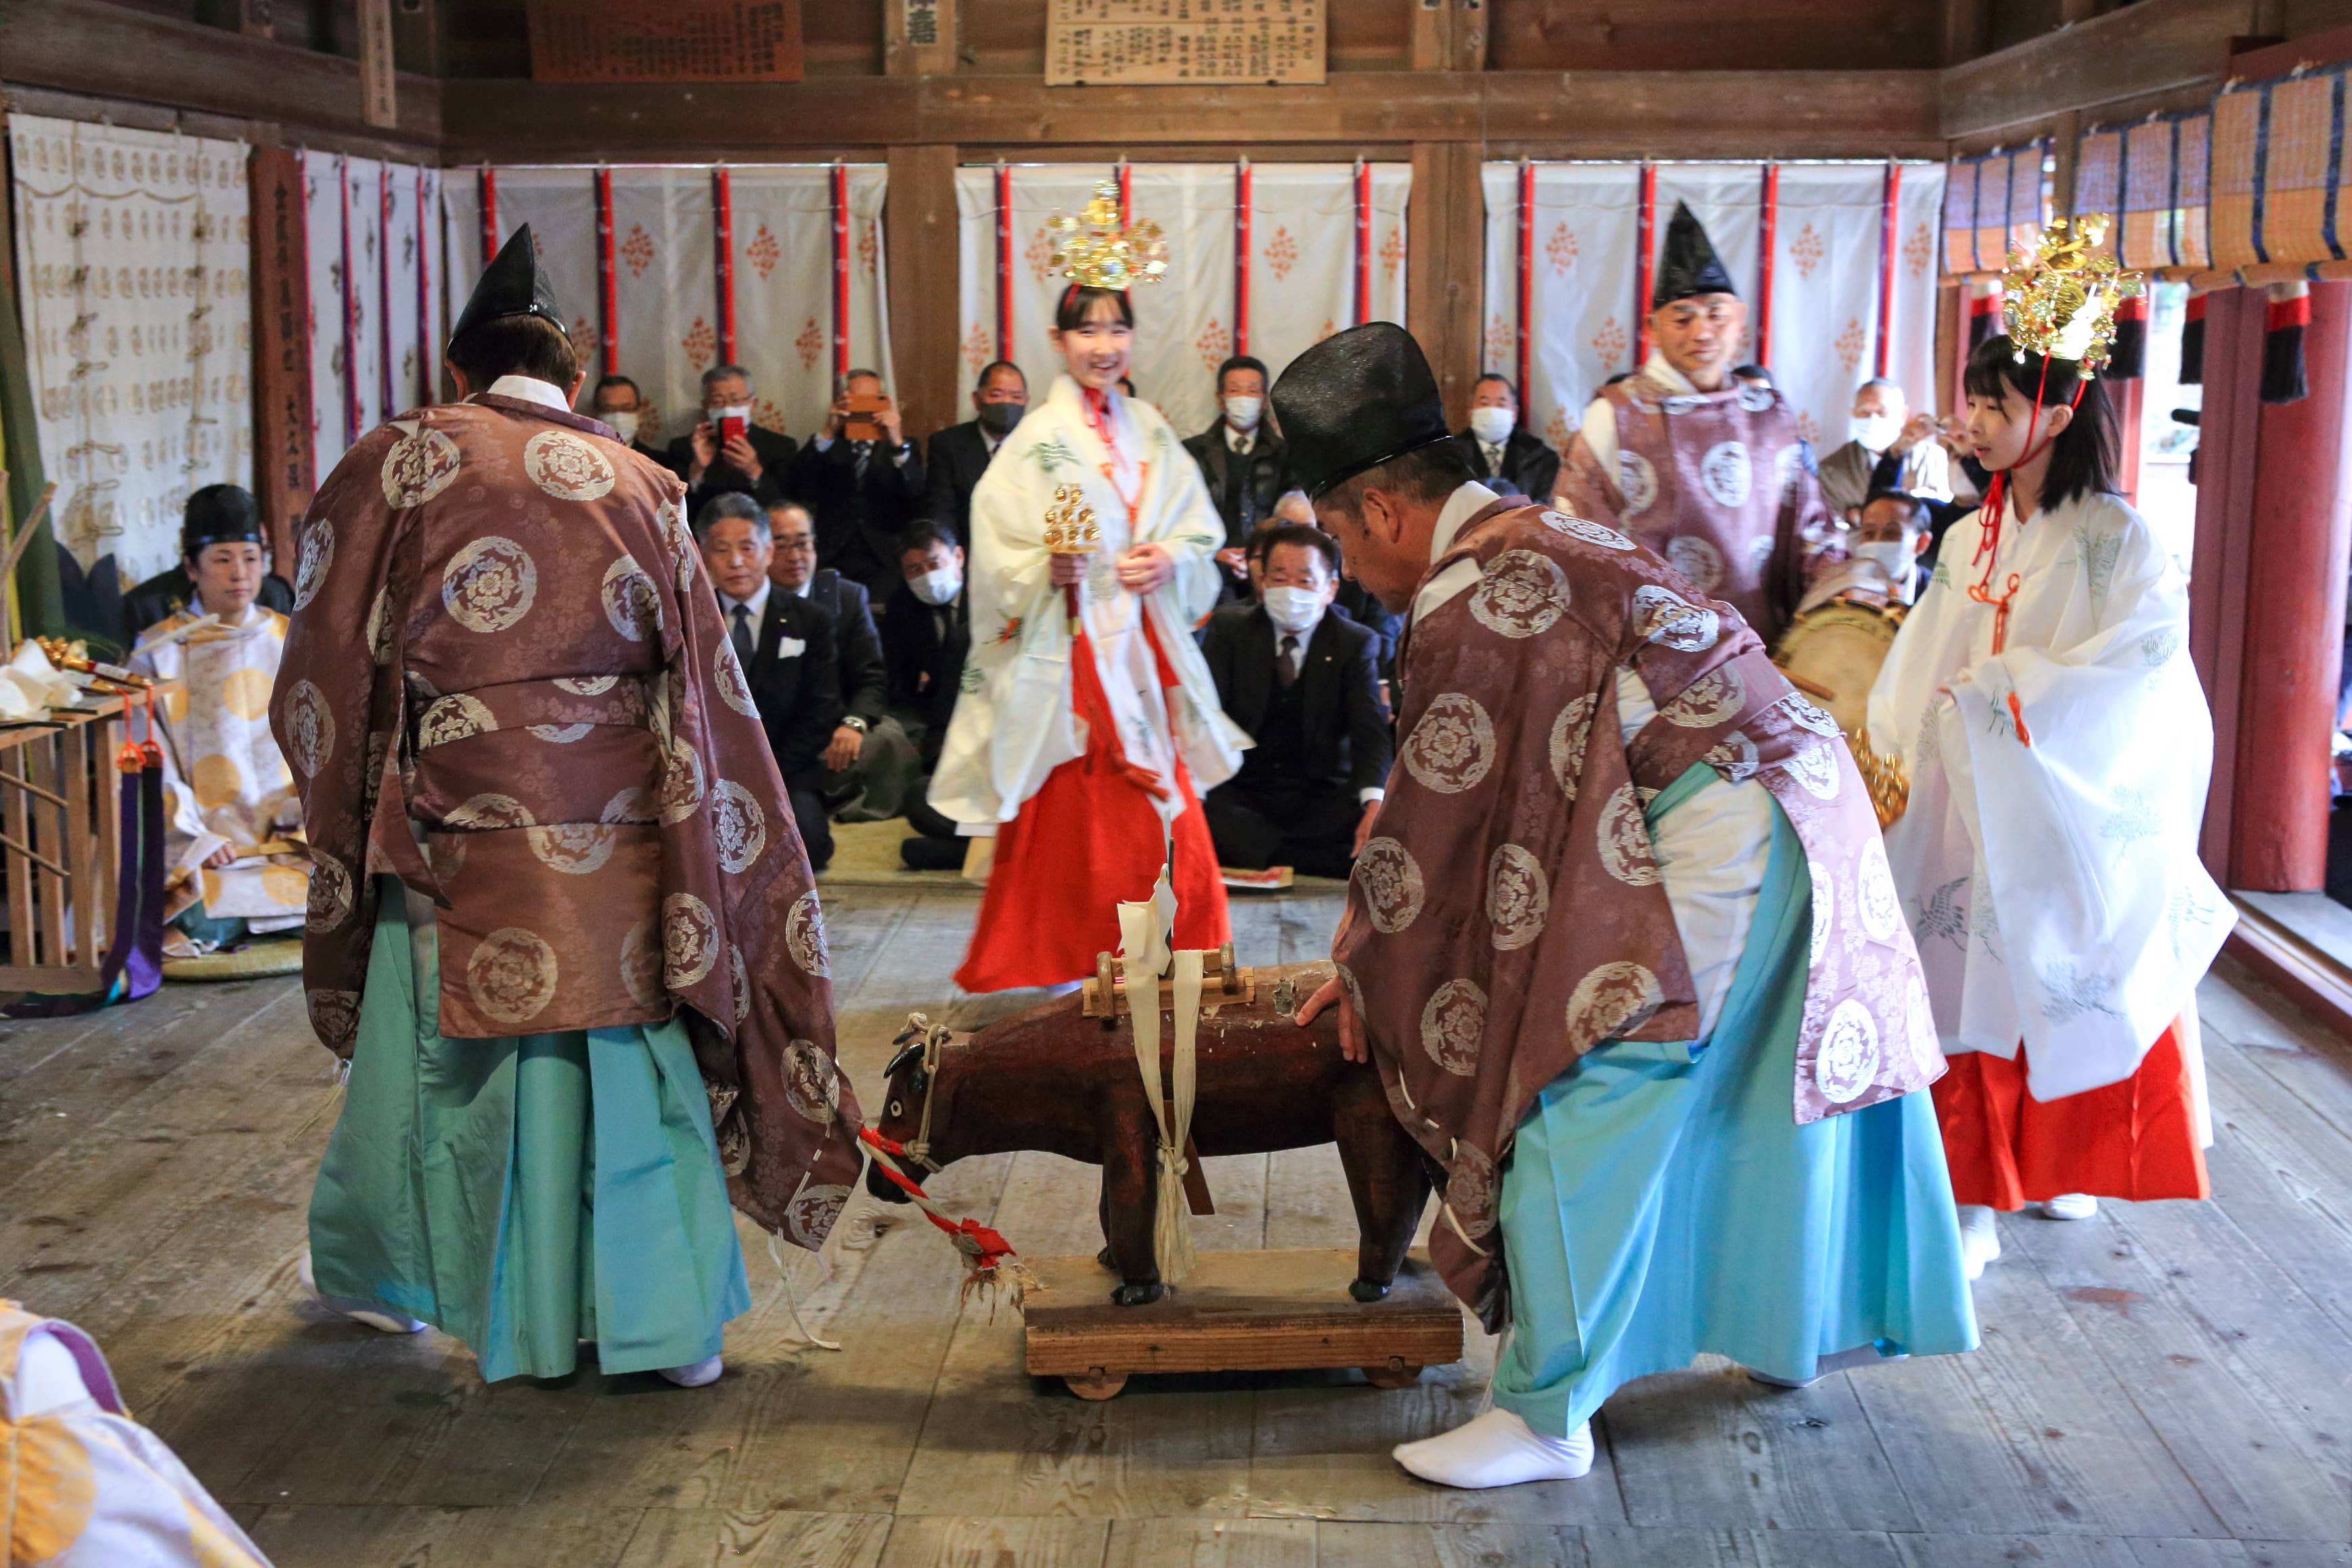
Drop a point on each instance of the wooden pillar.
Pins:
(2227, 441)
(1968, 26)
(1445, 267)
(925, 336)
(282, 449)
(2297, 553)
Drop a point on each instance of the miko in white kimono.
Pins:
(238, 865)
(1082, 746)
(2041, 700)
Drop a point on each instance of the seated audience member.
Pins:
(1883, 563)
(785, 644)
(1243, 460)
(861, 489)
(1891, 449)
(1497, 449)
(1358, 604)
(959, 454)
(1304, 684)
(234, 836)
(926, 634)
(223, 510)
(617, 401)
(713, 462)
(869, 760)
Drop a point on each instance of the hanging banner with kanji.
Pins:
(1133, 42)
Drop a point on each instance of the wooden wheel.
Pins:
(1097, 1383)
(1396, 1373)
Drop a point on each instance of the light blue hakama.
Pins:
(1661, 1200)
(529, 1192)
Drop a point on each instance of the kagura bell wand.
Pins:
(1070, 531)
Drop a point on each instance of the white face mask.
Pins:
(624, 425)
(1493, 425)
(937, 587)
(1242, 412)
(1891, 556)
(1293, 609)
(1877, 432)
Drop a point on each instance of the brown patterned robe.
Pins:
(1509, 916)
(1716, 484)
(505, 651)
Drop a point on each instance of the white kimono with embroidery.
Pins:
(225, 780)
(2052, 877)
(1013, 721)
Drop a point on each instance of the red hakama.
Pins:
(1088, 841)
(2137, 1139)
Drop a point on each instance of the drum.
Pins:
(1831, 653)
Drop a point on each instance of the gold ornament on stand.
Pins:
(1071, 530)
(1096, 250)
(2061, 291)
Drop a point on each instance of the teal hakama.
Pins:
(1661, 1200)
(529, 1192)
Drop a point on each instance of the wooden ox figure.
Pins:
(1053, 1079)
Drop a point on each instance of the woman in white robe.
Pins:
(1085, 754)
(2040, 700)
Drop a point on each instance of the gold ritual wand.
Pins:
(1070, 531)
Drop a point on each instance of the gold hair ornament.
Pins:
(1095, 250)
(2061, 291)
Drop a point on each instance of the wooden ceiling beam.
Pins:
(118, 52)
(1659, 114)
(2154, 47)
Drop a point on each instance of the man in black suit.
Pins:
(926, 634)
(869, 760)
(1497, 448)
(222, 511)
(786, 647)
(1245, 464)
(959, 454)
(617, 401)
(756, 463)
(1303, 683)
(1353, 599)
(861, 488)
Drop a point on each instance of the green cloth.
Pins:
(528, 1192)
(42, 607)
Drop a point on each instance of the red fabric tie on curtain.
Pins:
(1886, 226)
(1526, 269)
(1643, 264)
(1004, 262)
(722, 202)
(350, 303)
(489, 214)
(839, 188)
(1363, 311)
(1769, 218)
(608, 289)
(385, 382)
(426, 350)
(1243, 195)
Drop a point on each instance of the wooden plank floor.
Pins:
(2169, 1384)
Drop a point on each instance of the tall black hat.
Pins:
(220, 515)
(1354, 401)
(514, 284)
(1690, 265)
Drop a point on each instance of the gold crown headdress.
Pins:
(2062, 292)
(1095, 250)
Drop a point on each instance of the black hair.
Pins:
(2085, 457)
(1242, 362)
(530, 346)
(1269, 537)
(993, 366)
(606, 384)
(1426, 474)
(1498, 377)
(923, 535)
(1755, 373)
(849, 376)
(1078, 303)
(218, 514)
(731, 504)
(1922, 517)
(1620, 376)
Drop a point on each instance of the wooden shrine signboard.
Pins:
(1133, 42)
(665, 40)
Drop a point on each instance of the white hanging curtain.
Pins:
(782, 224)
(1582, 320)
(133, 253)
(1825, 281)
(1727, 199)
(1911, 335)
(372, 247)
(1302, 278)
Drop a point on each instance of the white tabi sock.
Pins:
(373, 1316)
(2071, 1205)
(1498, 1450)
(697, 1375)
(1979, 1241)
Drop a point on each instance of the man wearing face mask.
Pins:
(1883, 568)
(1245, 463)
(958, 455)
(619, 403)
(926, 633)
(1685, 458)
(1497, 449)
(726, 452)
(1891, 450)
(1306, 686)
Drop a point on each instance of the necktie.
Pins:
(865, 450)
(741, 634)
(1285, 662)
(1493, 460)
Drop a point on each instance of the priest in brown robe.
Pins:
(561, 924)
(1705, 470)
(1625, 950)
